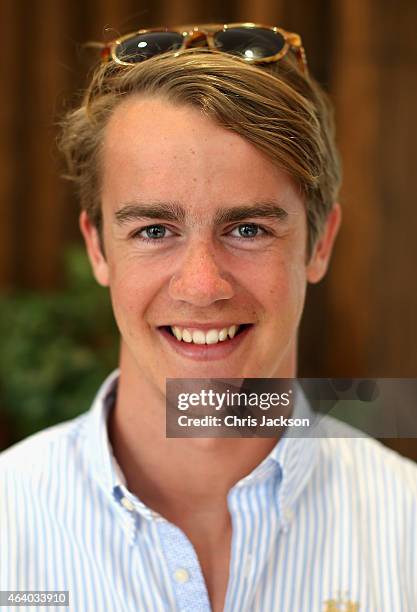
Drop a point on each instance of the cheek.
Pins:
(130, 293)
(285, 293)
(297, 285)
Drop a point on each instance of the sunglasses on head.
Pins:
(251, 42)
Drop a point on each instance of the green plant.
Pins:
(56, 348)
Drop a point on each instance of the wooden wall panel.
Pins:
(356, 95)
(394, 333)
(8, 82)
(262, 11)
(43, 202)
(178, 12)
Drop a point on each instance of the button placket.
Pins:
(183, 566)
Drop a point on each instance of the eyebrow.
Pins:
(269, 210)
(172, 211)
(169, 211)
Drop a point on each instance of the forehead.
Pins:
(156, 150)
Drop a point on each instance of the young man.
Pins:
(208, 183)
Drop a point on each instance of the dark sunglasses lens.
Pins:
(143, 46)
(250, 43)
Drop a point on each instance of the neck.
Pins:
(162, 471)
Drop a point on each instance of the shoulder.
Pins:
(370, 467)
(48, 449)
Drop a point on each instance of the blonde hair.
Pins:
(282, 112)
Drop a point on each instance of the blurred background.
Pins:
(58, 339)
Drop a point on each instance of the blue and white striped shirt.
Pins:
(321, 525)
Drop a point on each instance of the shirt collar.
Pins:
(292, 459)
(105, 468)
(297, 453)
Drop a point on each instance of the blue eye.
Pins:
(151, 234)
(154, 232)
(248, 230)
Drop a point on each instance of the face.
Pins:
(204, 239)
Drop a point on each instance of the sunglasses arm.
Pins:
(105, 53)
(294, 40)
(302, 58)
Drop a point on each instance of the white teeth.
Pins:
(212, 336)
(177, 332)
(197, 336)
(223, 334)
(186, 336)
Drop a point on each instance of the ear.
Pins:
(94, 251)
(319, 261)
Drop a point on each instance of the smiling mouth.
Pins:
(210, 337)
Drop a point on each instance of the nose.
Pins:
(199, 280)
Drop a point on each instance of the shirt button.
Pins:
(181, 575)
(126, 503)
